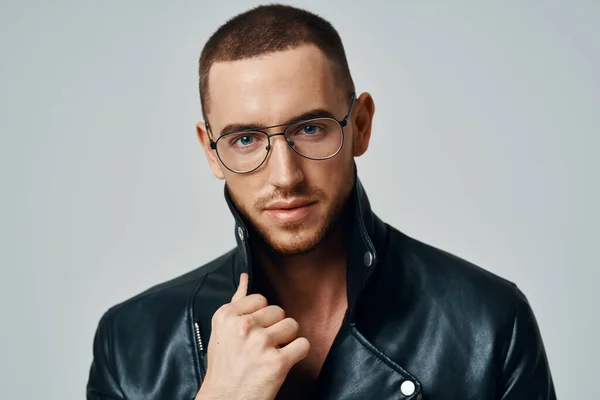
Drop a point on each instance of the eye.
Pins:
(245, 140)
(309, 129)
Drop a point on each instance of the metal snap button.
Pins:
(408, 388)
(241, 234)
(368, 259)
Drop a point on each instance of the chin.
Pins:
(292, 239)
(293, 246)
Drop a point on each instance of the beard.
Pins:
(303, 237)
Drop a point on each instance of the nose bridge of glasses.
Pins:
(277, 130)
(280, 133)
(272, 143)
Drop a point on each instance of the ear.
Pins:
(211, 155)
(362, 119)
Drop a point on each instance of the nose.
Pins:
(283, 164)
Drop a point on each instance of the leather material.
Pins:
(421, 324)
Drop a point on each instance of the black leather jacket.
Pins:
(421, 324)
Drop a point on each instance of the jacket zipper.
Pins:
(198, 337)
(201, 357)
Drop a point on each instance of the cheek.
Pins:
(332, 176)
(243, 189)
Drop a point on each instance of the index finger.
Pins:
(240, 293)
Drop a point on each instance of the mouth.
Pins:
(289, 211)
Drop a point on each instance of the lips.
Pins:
(288, 205)
(289, 211)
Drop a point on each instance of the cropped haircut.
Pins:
(268, 29)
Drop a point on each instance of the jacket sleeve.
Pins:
(526, 373)
(102, 383)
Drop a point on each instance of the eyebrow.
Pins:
(241, 127)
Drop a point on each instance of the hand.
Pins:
(252, 348)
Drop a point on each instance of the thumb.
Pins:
(242, 288)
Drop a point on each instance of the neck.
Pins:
(313, 283)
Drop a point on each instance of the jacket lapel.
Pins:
(354, 369)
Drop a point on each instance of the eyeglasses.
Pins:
(245, 151)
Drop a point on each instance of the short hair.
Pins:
(267, 29)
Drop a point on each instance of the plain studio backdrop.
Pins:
(484, 144)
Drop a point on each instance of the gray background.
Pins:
(484, 144)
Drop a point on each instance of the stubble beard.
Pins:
(266, 239)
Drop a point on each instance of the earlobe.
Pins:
(211, 155)
(362, 121)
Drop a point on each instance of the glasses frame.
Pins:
(343, 123)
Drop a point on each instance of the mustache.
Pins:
(299, 192)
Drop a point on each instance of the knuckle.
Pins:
(225, 309)
(261, 300)
(245, 324)
(221, 314)
(262, 340)
(277, 362)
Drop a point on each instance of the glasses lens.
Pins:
(318, 138)
(244, 151)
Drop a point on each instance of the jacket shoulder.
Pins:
(447, 275)
(480, 322)
(442, 287)
(149, 329)
(173, 290)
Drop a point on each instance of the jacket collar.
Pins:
(366, 231)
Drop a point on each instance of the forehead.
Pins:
(266, 90)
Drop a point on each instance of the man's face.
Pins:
(290, 200)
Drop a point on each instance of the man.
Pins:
(320, 299)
